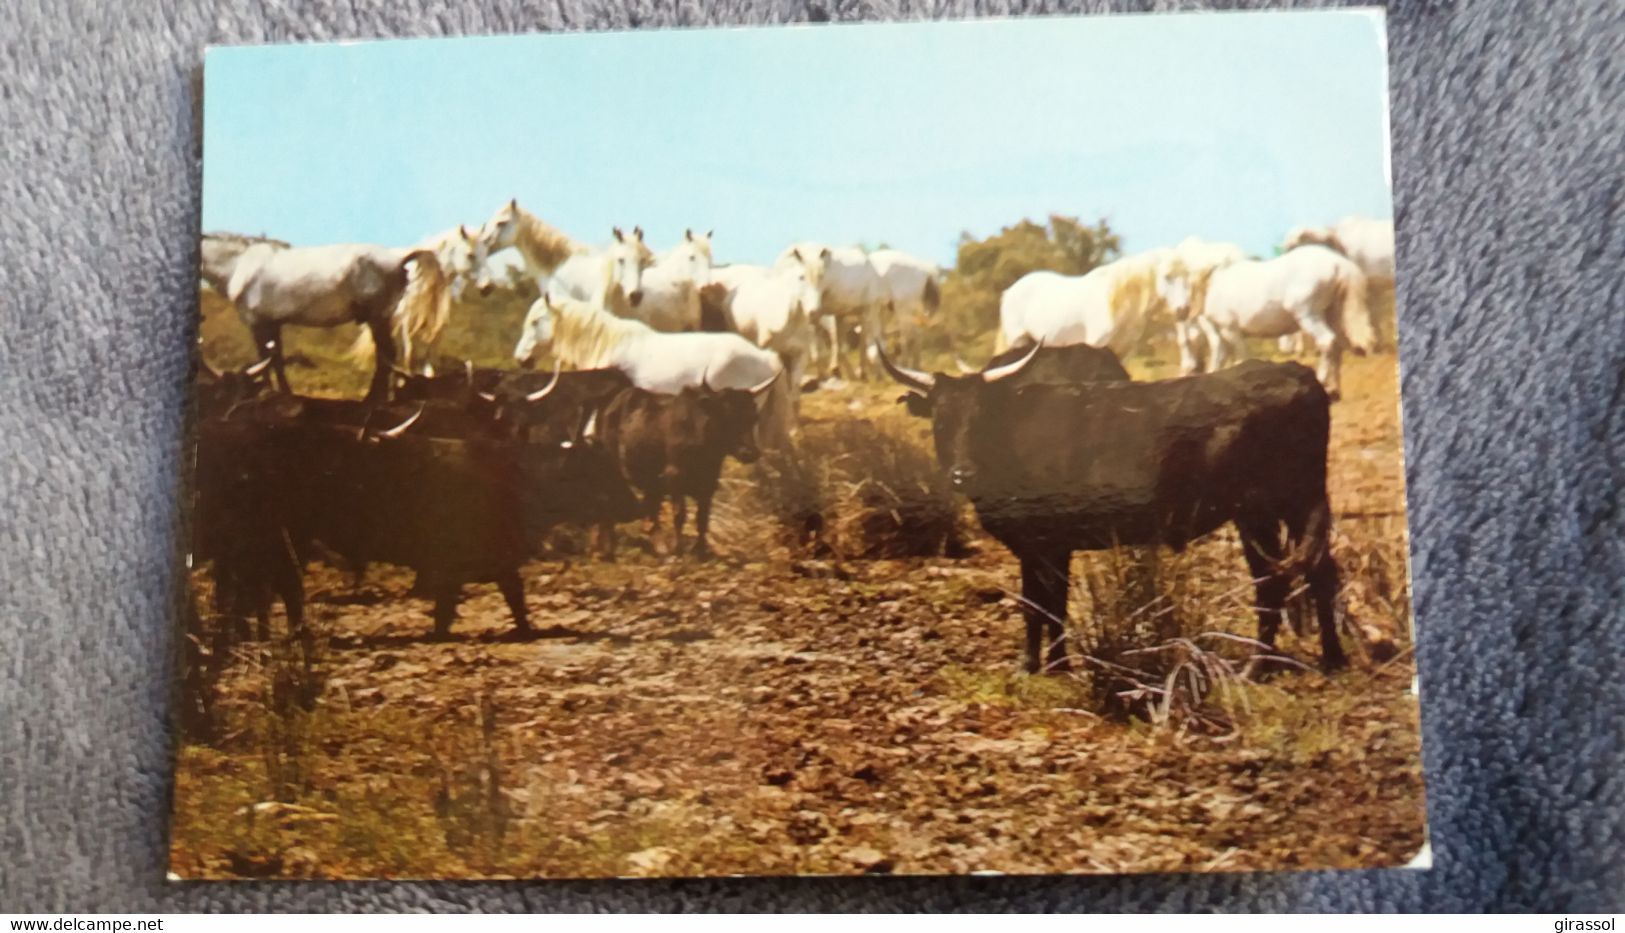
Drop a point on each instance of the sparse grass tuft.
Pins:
(860, 490)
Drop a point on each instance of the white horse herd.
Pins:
(799, 320)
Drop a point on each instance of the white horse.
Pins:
(455, 249)
(542, 247)
(909, 294)
(1367, 241)
(389, 291)
(1109, 306)
(584, 335)
(774, 310)
(1188, 268)
(852, 300)
(671, 287)
(1312, 288)
(612, 277)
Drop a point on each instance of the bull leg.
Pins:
(702, 524)
(384, 344)
(262, 618)
(1044, 584)
(448, 592)
(679, 516)
(1323, 586)
(1261, 543)
(268, 345)
(1322, 576)
(513, 590)
(607, 541)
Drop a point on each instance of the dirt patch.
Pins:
(771, 711)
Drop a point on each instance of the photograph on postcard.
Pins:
(955, 447)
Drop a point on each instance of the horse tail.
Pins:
(362, 348)
(933, 295)
(1313, 544)
(1354, 312)
(425, 305)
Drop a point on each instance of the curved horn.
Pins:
(468, 371)
(763, 386)
(1010, 369)
(965, 367)
(590, 430)
(400, 429)
(914, 379)
(489, 397)
(543, 392)
(257, 369)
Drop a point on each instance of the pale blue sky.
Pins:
(1229, 126)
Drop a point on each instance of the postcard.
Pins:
(954, 447)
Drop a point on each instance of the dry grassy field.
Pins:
(800, 705)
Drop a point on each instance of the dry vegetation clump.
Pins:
(860, 490)
(1160, 632)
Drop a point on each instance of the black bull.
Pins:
(1053, 468)
(283, 471)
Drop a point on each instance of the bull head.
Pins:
(764, 385)
(258, 369)
(547, 390)
(921, 384)
(398, 430)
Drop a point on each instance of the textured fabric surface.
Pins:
(1508, 174)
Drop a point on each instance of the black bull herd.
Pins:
(460, 476)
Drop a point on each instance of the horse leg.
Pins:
(1261, 544)
(1185, 336)
(1216, 347)
(874, 333)
(1327, 342)
(830, 327)
(513, 591)
(1330, 369)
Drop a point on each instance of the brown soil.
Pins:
(766, 713)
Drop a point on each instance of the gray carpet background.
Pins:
(1509, 179)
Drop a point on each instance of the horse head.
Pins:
(499, 233)
(536, 333)
(690, 260)
(625, 261)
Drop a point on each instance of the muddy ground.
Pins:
(771, 712)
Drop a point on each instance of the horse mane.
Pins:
(585, 334)
(544, 245)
